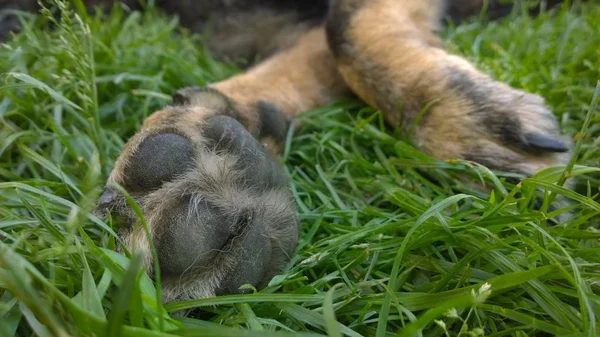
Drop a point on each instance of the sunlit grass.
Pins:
(394, 242)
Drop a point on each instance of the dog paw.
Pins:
(217, 205)
(488, 122)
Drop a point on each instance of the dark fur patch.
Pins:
(494, 160)
(191, 12)
(462, 82)
(242, 30)
(272, 122)
(338, 22)
(158, 159)
(500, 118)
(504, 126)
(493, 116)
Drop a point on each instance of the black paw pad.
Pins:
(250, 266)
(158, 159)
(229, 136)
(195, 233)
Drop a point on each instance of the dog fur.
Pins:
(216, 202)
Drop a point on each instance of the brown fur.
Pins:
(397, 66)
(295, 80)
(384, 51)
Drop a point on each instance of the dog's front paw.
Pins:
(488, 122)
(217, 205)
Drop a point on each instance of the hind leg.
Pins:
(387, 52)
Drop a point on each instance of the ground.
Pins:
(393, 242)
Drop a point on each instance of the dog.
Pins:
(203, 169)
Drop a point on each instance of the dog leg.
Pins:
(217, 204)
(388, 53)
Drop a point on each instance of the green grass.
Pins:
(393, 242)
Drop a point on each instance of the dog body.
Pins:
(217, 204)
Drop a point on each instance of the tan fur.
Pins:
(397, 66)
(384, 51)
(301, 78)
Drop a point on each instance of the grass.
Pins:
(394, 242)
